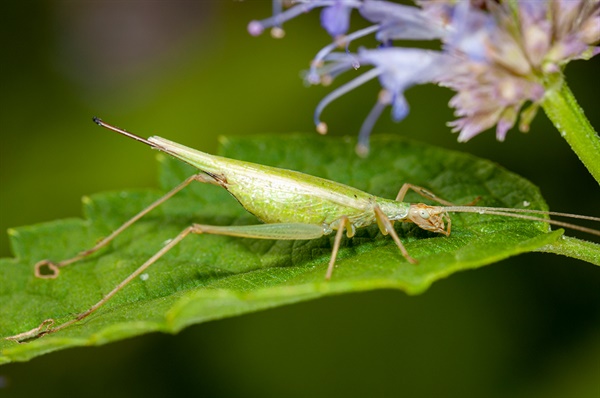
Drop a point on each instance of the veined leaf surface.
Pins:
(210, 277)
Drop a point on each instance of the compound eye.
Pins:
(424, 214)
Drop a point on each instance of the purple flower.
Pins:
(396, 68)
(497, 55)
(506, 58)
(397, 21)
(335, 16)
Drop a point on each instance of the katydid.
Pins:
(291, 205)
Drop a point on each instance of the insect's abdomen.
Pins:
(277, 195)
(284, 196)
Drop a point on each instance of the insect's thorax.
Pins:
(394, 210)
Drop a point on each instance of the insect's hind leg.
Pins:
(42, 268)
(291, 231)
(41, 330)
(427, 194)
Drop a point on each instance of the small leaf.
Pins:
(210, 277)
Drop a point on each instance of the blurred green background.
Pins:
(188, 71)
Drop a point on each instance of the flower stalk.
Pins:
(562, 109)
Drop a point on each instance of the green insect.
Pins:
(292, 206)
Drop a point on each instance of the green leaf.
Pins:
(575, 248)
(210, 277)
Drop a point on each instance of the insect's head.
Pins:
(429, 218)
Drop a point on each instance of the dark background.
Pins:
(188, 71)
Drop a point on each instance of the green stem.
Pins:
(576, 248)
(565, 113)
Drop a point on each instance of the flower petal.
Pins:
(336, 19)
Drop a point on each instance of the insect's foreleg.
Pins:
(54, 266)
(448, 223)
(427, 194)
(262, 231)
(386, 226)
